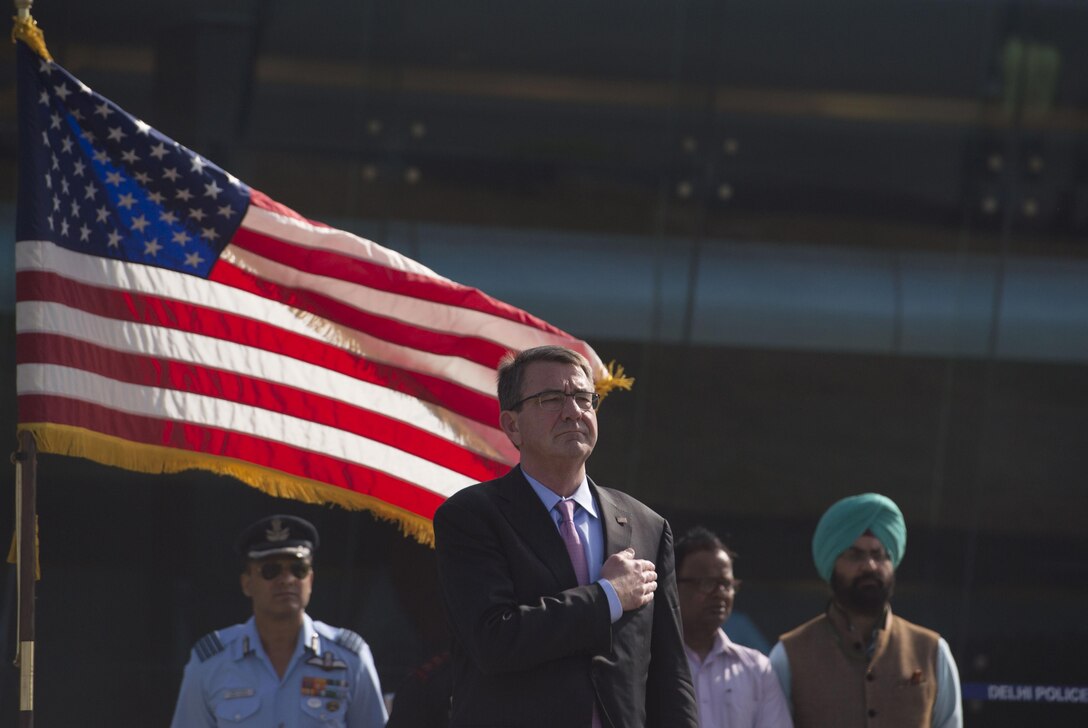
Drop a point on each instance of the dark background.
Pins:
(842, 246)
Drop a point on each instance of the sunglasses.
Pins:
(273, 569)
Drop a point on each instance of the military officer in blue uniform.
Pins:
(281, 669)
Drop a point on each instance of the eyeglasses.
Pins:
(708, 584)
(552, 400)
(860, 556)
(272, 569)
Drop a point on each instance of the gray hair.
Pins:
(511, 370)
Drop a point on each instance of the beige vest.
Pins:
(834, 685)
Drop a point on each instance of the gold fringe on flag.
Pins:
(109, 450)
(26, 29)
(614, 379)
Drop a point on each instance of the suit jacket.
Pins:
(532, 648)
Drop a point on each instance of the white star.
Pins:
(114, 178)
(64, 185)
(152, 247)
(117, 134)
(102, 214)
(101, 157)
(103, 109)
(115, 239)
(61, 91)
(50, 221)
(183, 194)
(193, 259)
(155, 197)
(48, 181)
(84, 233)
(76, 114)
(64, 228)
(56, 203)
(130, 156)
(66, 145)
(197, 214)
(88, 135)
(212, 190)
(54, 121)
(158, 151)
(170, 173)
(168, 217)
(44, 66)
(209, 234)
(181, 238)
(44, 97)
(126, 201)
(198, 164)
(78, 167)
(142, 127)
(45, 139)
(89, 191)
(75, 208)
(226, 211)
(142, 178)
(56, 162)
(139, 223)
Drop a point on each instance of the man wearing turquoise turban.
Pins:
(857, 664)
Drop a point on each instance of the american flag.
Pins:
(171, 317)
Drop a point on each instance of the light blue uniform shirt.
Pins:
(330, 681)
(588, 522)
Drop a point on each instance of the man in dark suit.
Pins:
(558, 614)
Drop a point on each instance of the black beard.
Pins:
(866, 594)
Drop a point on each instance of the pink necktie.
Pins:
(577, 556)
(572, 541)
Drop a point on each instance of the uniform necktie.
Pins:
(572, 540)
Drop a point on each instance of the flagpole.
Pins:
(26, 466)
(26, 462)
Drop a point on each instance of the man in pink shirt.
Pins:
(734, 685)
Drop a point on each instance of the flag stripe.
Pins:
(212, 412)
(308, 370)
(390, 271)
(152, 371)
(271, 454)
(232, 300)
(315, 367)
(329, 298)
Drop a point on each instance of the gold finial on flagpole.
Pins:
(26, 29)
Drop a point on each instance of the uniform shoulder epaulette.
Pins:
(350, 640)
(208, 646)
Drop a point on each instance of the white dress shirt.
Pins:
(735, 687)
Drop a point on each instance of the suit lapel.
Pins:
(533, 524)
(616, 521)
